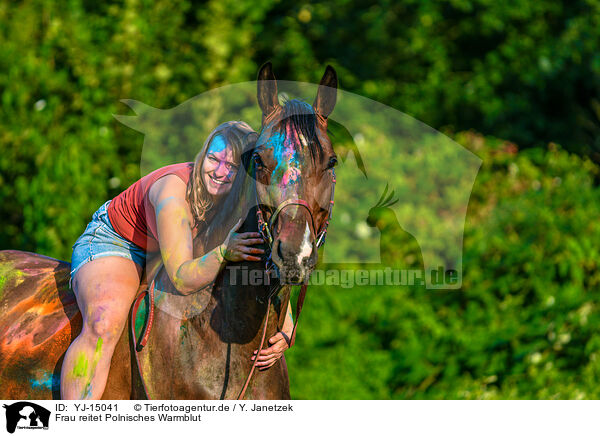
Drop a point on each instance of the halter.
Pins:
(264, 227)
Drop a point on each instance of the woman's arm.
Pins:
(174, 227)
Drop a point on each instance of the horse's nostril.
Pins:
(279, 253)
(295, 277)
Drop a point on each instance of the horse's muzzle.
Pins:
(294, 265)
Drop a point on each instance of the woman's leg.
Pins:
(105, 289)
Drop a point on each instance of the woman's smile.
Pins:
(218, 181)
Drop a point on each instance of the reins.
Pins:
(137, 347)
(299, 305)
(265, 230)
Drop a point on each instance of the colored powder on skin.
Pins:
(81, 366)
(178, 282)
(163, 203)
(98, 351)
(97, 354)
(218, 144)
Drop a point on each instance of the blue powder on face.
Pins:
(217, 144)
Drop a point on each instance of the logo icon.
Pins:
(26, 415)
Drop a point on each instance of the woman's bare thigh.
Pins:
(105, 288)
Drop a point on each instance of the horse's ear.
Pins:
(267, 89)
(327, 93)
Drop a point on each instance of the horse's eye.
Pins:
(258, 161)
(332, 162)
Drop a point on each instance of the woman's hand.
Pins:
(237, 246)
(269, 356)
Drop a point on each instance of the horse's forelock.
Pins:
(299, 117)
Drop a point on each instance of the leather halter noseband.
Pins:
(265, 227)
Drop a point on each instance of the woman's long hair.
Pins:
(240, 137)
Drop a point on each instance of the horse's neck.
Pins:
(233, 296)
(241, 303)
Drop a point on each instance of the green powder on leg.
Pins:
(81, 366)
(87, 392)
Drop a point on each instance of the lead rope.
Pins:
(262, 342)
(264, 229)
(299, 305)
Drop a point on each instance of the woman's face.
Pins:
(218, 168)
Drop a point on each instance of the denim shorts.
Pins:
(100, 239)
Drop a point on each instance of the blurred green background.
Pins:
(515, 82)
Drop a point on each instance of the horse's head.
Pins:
(293, 162)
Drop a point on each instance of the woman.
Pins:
(162, 211)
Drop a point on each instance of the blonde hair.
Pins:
(238, 135)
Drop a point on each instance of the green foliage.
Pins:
(63, 70)
(524, 324)
(526, 71)
(523, 71)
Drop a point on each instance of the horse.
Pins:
(199, 346)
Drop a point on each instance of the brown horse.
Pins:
(200, 345)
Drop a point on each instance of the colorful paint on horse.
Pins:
(290, 143)
(9, 276)
(288, 159)
(183, 332)
(46, 381)
(38, 317)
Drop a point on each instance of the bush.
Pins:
(524, 324)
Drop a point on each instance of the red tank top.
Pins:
(131, 213)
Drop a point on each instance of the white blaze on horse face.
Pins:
(306, 247)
